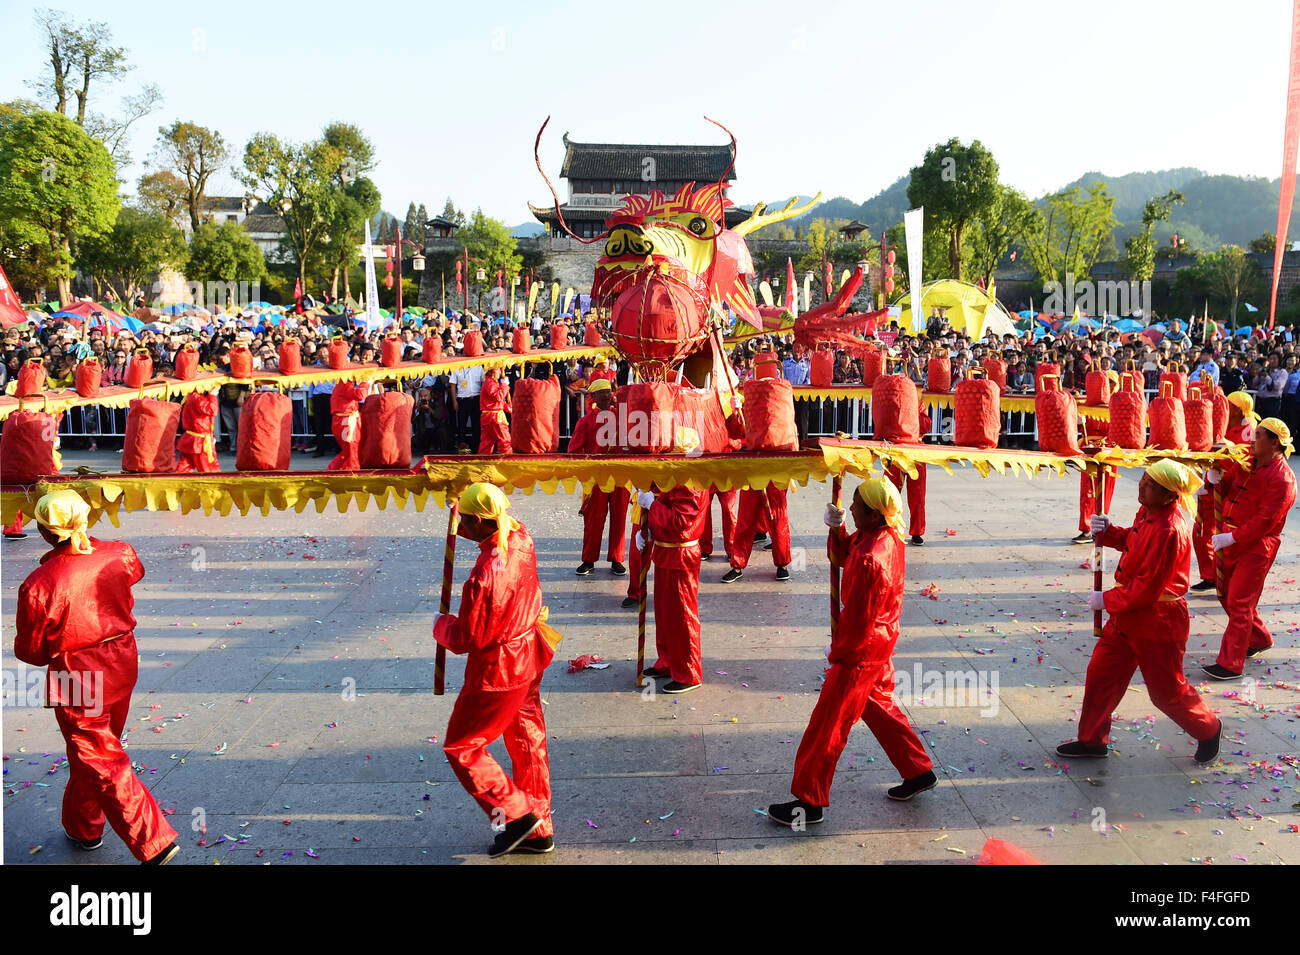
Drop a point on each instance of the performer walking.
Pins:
(1255, 508)
(727, 500)
(1094, 431)
(75, 617)
(1148, 623)
(494, 404)
(770, 501)
(1209, 500)
(502, 627)
(860, 679)
(589, 437)
(915, 489)
(676, 520)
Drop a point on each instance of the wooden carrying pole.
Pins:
(444, 604)
(835, 565)
(645, 572)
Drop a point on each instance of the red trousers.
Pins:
(851, 693)
(347, 432)
(753, 504)
(101, 784)
(594, 509)
(480, 718)
(728, 501)
(1202, 532)
(1240, 587)
(494, 433)
(1088, 497)
(677, 623)
(634, 567)
(1118, 654)
(915, 497)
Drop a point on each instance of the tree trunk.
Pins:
(954, 252)
(84, 93)
(347, 285)
(65, 281)
(334, 284)
(1234, 314)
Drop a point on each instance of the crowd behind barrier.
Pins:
(445, 417)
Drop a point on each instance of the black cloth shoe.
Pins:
(1079, 749)
(163, 857)
(618, 569)
(86, 845)
(1217, 672)
(1203, 586)
(630, 602)
(1258, 650)
(783, 573)
(584, 569)
(767, 546)
(910, 787)
(918, 540)
(15, 537)
(538, 845)
(655, 674)
(1084, 537)
(675, 687)
(514, 834)
(1208, 749)
(733, 575)
(795, 813)
(759, 536)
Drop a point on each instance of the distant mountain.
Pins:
(528, 229)
(1218, 209)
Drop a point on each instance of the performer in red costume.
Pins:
(859, 682)
(1255, 507)
(594, 434)
(494, 404)
(727, 499)
(1209, 501)
(502, 627)
(676, 521)
(1094, 431)
(915, 489)
(345, 407)
(75, 617)
(196, 447)
(771, 501)
(1148, 623)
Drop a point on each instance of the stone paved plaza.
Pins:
(285, 700)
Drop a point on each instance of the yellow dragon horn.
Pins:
(789, 211)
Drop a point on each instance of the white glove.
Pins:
(1220, 541)
(827, 651)
(640, 541)
(1096, 600)
(834, 516)
(1213, 476)
(1099, 523)
(645, 499)
(1202, 490)
(435, 619)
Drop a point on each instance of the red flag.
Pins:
(1290, 140)
(297, 296)
(11, 310)
(791, 300)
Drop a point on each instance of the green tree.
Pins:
(992, 234)
(410, 225)
(489, 241)
(299, 182)
(956, 184)
(1230, 276)
(191, 153)
(224, 253)
(421, 217)
(452, 214)
(126, 258)
(1068, 232)
(1140, 249)
(161, 192)
(355, 198)
(57, 186)
(1266, 243)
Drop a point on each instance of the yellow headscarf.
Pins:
(66, 516)
(879, 494)
(599, 385)
(686, 439)
(1279, 430)
(1178, 478)
(486, 500)
(1246, 403)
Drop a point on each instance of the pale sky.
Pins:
(837, 97)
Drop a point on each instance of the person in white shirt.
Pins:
(466, 383)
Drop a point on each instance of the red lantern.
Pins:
(890, 259)
(656, 323)
(460, 289)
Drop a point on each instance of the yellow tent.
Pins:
(968, 307)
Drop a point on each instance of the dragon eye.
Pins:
(699, 225)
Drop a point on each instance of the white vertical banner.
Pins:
(372, 287)
(913, 229)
